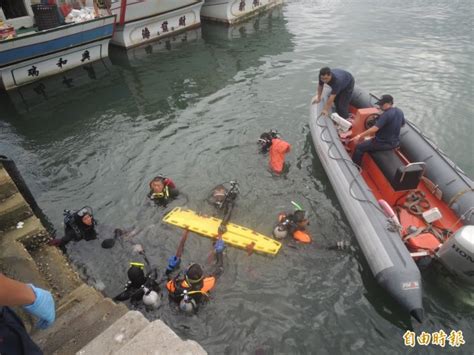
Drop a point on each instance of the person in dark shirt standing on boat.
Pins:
(386, 130)
(342, 84)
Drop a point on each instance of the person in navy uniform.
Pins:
(386, 130)
(342, 85)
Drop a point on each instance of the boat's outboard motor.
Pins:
(457, 254)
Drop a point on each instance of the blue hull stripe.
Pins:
(54, 45)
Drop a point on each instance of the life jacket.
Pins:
(208, 284)
(277, 154)
(298, 233)
(301, 236)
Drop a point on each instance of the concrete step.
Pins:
(55, 268)
(117, 335)
(7, 186)
(158, 338)
(86, 327)
(17, 263)
(31, 235)
(13, 210)
(67, 309)
(80, 294)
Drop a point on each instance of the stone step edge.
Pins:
(7, 185)
(98, 318)
(30, 233)
(116, 335)
(13, 210)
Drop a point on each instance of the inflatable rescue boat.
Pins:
(404, 205)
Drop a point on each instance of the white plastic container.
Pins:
(432, 215)
(343, 124)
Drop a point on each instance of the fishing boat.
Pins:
(154, 64)
(405, 206)
(233, 11)
(140, 22)
(37, 50)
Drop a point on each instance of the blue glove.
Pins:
(42, 307)
(219, 246)
(173, 262)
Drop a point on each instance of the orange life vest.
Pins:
(302, 236)
(207, 284)
(277, 154)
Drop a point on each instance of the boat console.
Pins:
(402, 177)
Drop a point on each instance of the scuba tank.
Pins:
(151, 298)
(281, 229)
(285, 225)
(187, 304)
(70, 221)
(68, 217)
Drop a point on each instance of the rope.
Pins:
(324, 127)
(354, 178)
(416, 203)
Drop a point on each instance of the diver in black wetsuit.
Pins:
(78, 225)
(141, 287)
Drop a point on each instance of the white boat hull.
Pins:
(136, 31)
(131, 57)
(48, 95)
(40, 68)
(32, 57)
(233, 11)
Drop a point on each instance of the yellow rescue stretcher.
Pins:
(207, 226)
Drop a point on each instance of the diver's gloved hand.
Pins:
(173, 263)
(219, 246)
(42, 307)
